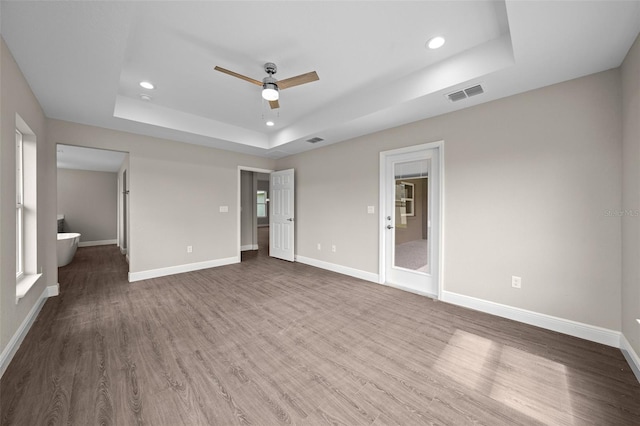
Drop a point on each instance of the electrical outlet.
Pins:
(189, 249)
(319, 246)
(516, 282)
(333, 249)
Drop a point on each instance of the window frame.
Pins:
(20, 228)
(258, 203)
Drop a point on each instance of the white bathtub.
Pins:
(66, 247)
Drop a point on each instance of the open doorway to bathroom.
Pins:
(92, 198)
(254, 213)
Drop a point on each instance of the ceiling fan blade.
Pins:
(240, 76)
(298, 80)
(274, 104)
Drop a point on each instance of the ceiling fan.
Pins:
(271, 86)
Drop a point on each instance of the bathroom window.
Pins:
(19, 206)
(262, 203)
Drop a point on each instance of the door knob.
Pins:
(389, 227)
(290, 219)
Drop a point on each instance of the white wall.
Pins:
(527, 182)
(17, 98)
(176, 191)
(631, 197)
(89, 202)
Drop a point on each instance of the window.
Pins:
(262, 203)
(27, 269)
(404, 198)
(19, 205)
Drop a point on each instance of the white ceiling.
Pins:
(84, 61)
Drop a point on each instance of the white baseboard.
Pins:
(631, 356)
(16, 340)
(249, 247)
(53, 290)
(410, 290)
(179, 269)
(561, 325)
(352, 272)
(97, 243)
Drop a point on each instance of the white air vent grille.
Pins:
(473, 91)
(457, 96)
(315, 140)
(465, 93)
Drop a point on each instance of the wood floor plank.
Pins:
(268, 342)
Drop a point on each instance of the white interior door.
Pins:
(281, 218)
(411, 220)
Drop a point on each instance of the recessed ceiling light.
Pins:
(270, 123)
(146, 85)
(435, 42)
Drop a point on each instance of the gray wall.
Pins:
(176, 191)
(17, 98)
(89, 202)
(527, 181)
(248, 220)
(263, 185)
(631, 196)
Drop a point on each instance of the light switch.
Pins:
(371, 209)
(224, 209)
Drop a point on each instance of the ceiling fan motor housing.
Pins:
(270, 68)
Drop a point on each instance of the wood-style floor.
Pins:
(268, 342)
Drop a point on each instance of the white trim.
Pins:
(345, 270)
(249, 247)
(439, 145)
(630, 355)
(97, 243)
(561, 325)
(239, 201)
(410, 290)
(16, 340)
(25, 283)
(179, 269)
(53, 290)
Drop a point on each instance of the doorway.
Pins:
(90, 195)
(410, 197)
(254, 211)
(123, 222)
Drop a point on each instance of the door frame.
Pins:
(239, 203)
(439, 243)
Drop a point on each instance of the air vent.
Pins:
(465, 93)
(457, 96)
(473, 91)
(315, 140)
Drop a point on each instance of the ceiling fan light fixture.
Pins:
(270, 92)
(435, 42)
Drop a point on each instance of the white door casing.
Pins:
(281, 217)
(426, 283)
